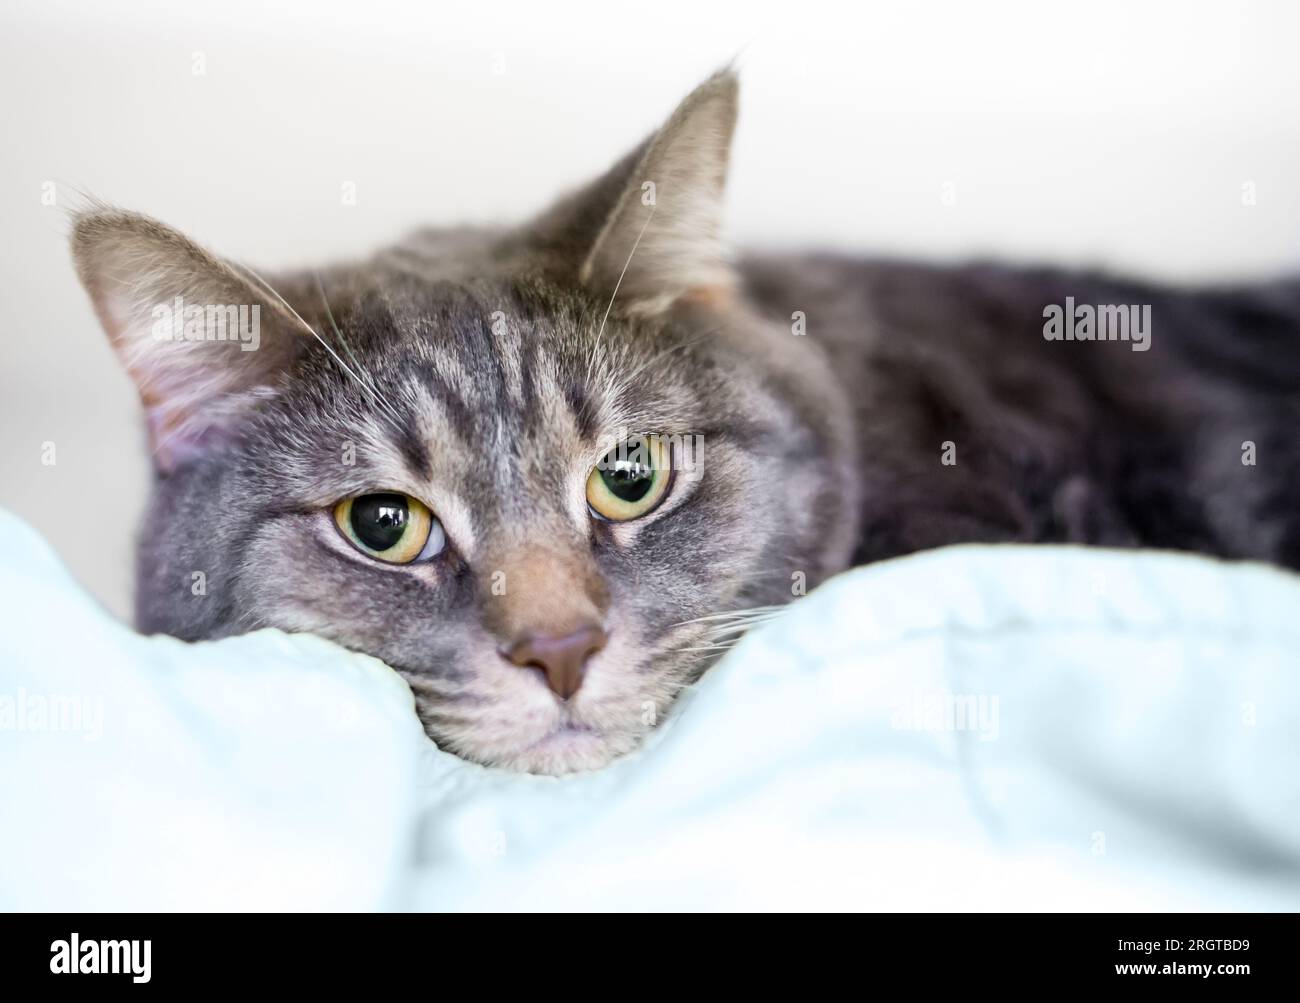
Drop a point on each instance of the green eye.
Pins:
(390, 527)
(631, 479)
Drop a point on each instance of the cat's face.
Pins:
(498, 433)
(532, 506)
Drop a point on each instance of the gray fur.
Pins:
(485, 373)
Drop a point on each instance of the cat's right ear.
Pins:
(200, 336)
(650, 229)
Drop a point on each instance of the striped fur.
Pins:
(486, 371)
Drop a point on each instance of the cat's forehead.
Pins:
(528, 355)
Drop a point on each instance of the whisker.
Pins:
(308, 328)
(338, 333)
(617, 285)
(746, 624)
(720, 632)
(734, 633)
(248, 618)
(752, 611)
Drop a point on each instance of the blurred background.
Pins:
(1162, 140)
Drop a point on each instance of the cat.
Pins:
(549, 472)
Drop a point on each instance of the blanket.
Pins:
(1048, 728)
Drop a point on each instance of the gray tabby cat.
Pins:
(547, 473)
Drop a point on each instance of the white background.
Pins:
(1117, 135)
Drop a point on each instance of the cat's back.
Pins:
(1038, 404)
(992, 314)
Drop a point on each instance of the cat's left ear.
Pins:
(662, 241)
(201, 337)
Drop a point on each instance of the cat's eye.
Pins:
(390, 527)
(631, 479)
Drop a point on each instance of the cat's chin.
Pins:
(567, 749)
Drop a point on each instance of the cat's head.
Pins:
(535, 470)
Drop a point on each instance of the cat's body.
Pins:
(1190, 444)
(473, 388)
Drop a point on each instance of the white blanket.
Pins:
(972, 728)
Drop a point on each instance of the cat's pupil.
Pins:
(629, 481)
(380, 520)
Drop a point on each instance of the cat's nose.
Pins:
(561, 659)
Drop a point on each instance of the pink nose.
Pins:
(561, 659)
